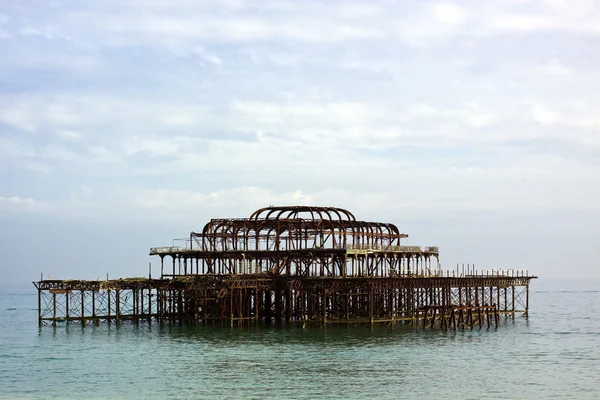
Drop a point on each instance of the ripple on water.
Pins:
(554, 353)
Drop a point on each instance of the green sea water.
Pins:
(555, 353)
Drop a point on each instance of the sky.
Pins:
(472, 126)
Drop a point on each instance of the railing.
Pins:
(401, 249)
(452, 273)
(167, 249)
(364, 247)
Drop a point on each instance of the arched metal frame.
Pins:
(300, 241)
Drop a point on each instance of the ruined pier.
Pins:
(294, 265)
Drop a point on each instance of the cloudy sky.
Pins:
(471, 125)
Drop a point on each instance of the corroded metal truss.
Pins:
(295, 264)
(299, 241)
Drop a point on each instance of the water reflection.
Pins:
(335, 335)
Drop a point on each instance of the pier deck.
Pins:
(241, 299)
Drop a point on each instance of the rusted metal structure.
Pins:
(294, 264)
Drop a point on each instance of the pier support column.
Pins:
(513, 302)
(288, 302)
(117, 305)
(278, 301)
(67, 305)
(83, 308)
(108, 297)
(324, 304)
(54, 307)
(371, 303)
(94, 306)
(40, 306)
(526, 300)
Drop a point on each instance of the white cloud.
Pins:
(448, 13)
(545, 116)
(521, 23)
(581, 16)
(10, 148)
(3, 33)
(153, 146)
(246, 197)
(276, 116)
(470, 114)
(342, 125)
(362, 125)
(46, 33)
(553, 68)
(34, 112)
(15, 204)
(576, 122)
(409, 191)
(199, 24)
(207, 56)
(70, 135)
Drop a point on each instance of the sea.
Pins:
(553, 353)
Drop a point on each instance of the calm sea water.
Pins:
(555, 353)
